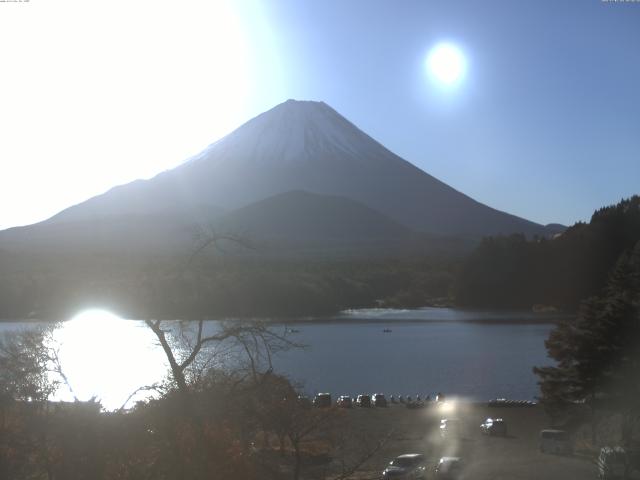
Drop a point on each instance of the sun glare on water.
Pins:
(106, 357)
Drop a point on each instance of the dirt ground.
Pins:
(514, 457)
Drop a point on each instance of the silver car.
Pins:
(494, 426)
(409, 465)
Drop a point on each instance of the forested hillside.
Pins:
(215, 285)
(513, 272)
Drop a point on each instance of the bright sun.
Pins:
(446, 64)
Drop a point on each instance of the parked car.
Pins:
(363, 401)
(344, 401)
(409, 465)
(494, 426)
(322, 400)
(450, 428)
(613, 462)
(378, 400)
(449, 468)
(555, 441)
(304, 401)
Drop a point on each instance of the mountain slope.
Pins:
(305, 146)
(134, 233)
(302, 220)
(300, 215)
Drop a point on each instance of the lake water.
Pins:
(473, 354)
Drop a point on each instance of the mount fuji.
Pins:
(299, 153)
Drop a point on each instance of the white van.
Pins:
(555, 441)
(613, 463)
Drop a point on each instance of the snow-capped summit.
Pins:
(303, 146)
(292, 131)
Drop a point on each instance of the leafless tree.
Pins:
(354, 448)
(30, 374)
(256, 339)
(25, 361)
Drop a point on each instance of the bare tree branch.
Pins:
(146, 388)
(368, 454)
(211, 238)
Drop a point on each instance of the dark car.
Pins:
(363, 401)
(344, 401)
(322, 400)
(379, 400)
(410, 465)
(494, 426)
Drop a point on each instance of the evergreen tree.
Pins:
(515, 272)
(598, 353)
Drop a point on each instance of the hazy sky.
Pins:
(545, 123)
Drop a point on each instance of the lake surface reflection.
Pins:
(467, 358)
(474, 354)
(108, 357)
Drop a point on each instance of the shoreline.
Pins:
(371, 315)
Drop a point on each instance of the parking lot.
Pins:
(515, 456)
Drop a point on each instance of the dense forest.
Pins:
(597, 356)
(216, 285)
(516, 272)
(502, 272)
